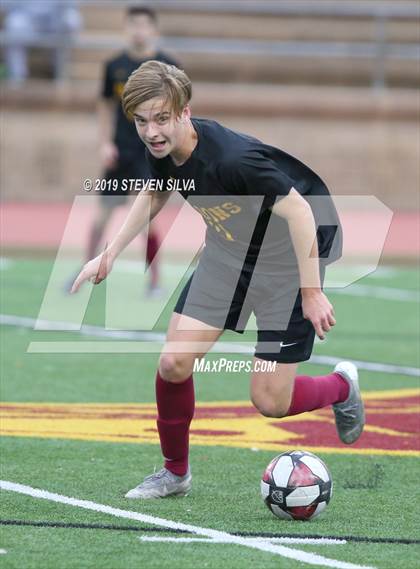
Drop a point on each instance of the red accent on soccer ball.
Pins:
(268, 472)
(302, 512)
(302, 475)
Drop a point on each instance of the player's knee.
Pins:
(174, 367)
(269, 407)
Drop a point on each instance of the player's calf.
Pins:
(271, 392)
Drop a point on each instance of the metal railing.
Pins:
(380, 49)
(397, 9)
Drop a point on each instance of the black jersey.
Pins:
(116, 73)
(237, 179)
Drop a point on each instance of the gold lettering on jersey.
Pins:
(218, 213)
(118, 89)
(220, 229)
(214, 216)
(231, 207)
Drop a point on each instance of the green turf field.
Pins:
(376, 497)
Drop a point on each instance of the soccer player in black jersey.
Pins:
(121, 150)
(263, 254)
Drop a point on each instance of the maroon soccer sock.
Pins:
(311, 393)
(175, 403)
(151, 251)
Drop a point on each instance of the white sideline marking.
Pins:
(297, 555)
(382, 292)
(229, 347)
(368, 366)
(5, 264)
(3, 551)
(289, 540)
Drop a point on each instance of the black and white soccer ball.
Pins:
(296, 485)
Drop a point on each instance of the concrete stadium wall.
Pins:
(46, 155)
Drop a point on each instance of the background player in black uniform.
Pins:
(263, 253)
(122, 151)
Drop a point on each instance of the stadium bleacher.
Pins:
(341, 60)
(322, 43)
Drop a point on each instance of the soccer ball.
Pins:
(296, 485)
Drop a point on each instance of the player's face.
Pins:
(159, 128)
(141, 31)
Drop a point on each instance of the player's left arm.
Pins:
(315, 305)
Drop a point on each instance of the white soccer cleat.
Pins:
(160, 485)
(350, 414)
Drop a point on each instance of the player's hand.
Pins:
(94, 271)
(109, 155)
(317, 308)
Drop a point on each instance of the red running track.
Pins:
(41, 226)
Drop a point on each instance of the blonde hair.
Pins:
(156, 79)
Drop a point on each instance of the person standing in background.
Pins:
(122, 151)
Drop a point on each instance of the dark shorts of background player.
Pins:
(128, 167)
(214, 295)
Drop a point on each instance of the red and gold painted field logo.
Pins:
(392, 426)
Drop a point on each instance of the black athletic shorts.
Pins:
(128, 167)
(224, 297)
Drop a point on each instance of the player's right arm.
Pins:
(315, 305)
(143, 210)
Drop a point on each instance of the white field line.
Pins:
(367, 366)
(288, 540)
(383, 272)
(133, 338)
(224, 537)
(3, 552)
(132, 266)
(5, 264)
(381, 292)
